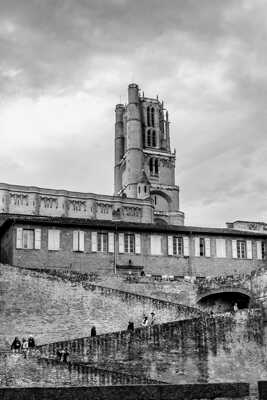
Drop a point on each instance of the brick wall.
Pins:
(88, 261)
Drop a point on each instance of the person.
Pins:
(153, 318)
(130, 326)
(16, 345)
(235, 307)
(31, 342)
(59, 354)
(145, 321)
(24, 347)
(65, 355)
(93, 331)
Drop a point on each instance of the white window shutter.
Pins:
(197, 248)
(137, 243)
(50, 239)
(156, 245)
(75, 241)
(37, 239)
(121, 243)
(207, 247)
(186, 246)
(234, 249)
(249, 249)
(19, 238)
(93, 241)
(259, 252)
(111, 242)
(56, 240)
(220, 248)
(81, 240)
(170, 245)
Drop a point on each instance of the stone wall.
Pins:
(226, 391)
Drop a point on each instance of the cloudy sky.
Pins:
(64, 64)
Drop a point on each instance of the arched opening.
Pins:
(148, 116)
(224, 301)
(152, 117)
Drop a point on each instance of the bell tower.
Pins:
(144, 162)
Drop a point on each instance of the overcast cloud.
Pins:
(64, 64)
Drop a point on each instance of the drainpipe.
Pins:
(115, 249)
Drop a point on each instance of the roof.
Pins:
(13, 219)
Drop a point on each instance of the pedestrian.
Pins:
(16, 345)
(153, 318)
(24, 347)
(31, 342)
(235, 307)
(93, 331)
(66, 355)
(59, 355)
(145, 321)
(130, 326)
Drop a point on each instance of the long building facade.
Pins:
(139, 229)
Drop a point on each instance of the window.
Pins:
(148, 138)
(202, 247)
(178, 246)
(154, 166)
(102, 242)
(28, 238)
(241, 249)
(154, 139)
(262, 249)
(152, 116)
(148, 116)
(220, 248)
(78, 241)
(53, 239)
(130, 243)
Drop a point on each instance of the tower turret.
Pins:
(134, 158)
(119, 146)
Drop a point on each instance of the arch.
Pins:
(226, 295)
(160, 221)
(162, 194)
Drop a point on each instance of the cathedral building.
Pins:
(139, 228)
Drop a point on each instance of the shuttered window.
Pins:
(129, 243)
(137, 243)
(28, 239)
(94, 241)
(249, 249)
(241, 246)
(53, 239)
(111, 242)
(220, 248)
(156, 245)
(78, 241)
(102, 242)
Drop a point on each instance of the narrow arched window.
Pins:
(148, 142)
(154, 139)
(152, 117)
(148, 116)
(156, 166)
(151, 165)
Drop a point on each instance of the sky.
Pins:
(65, 64)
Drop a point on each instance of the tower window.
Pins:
(148, 116)
(145, 189)
(154, 139)
(154, 166)
(148, 137)
(152, 117)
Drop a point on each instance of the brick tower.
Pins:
(144, 163)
